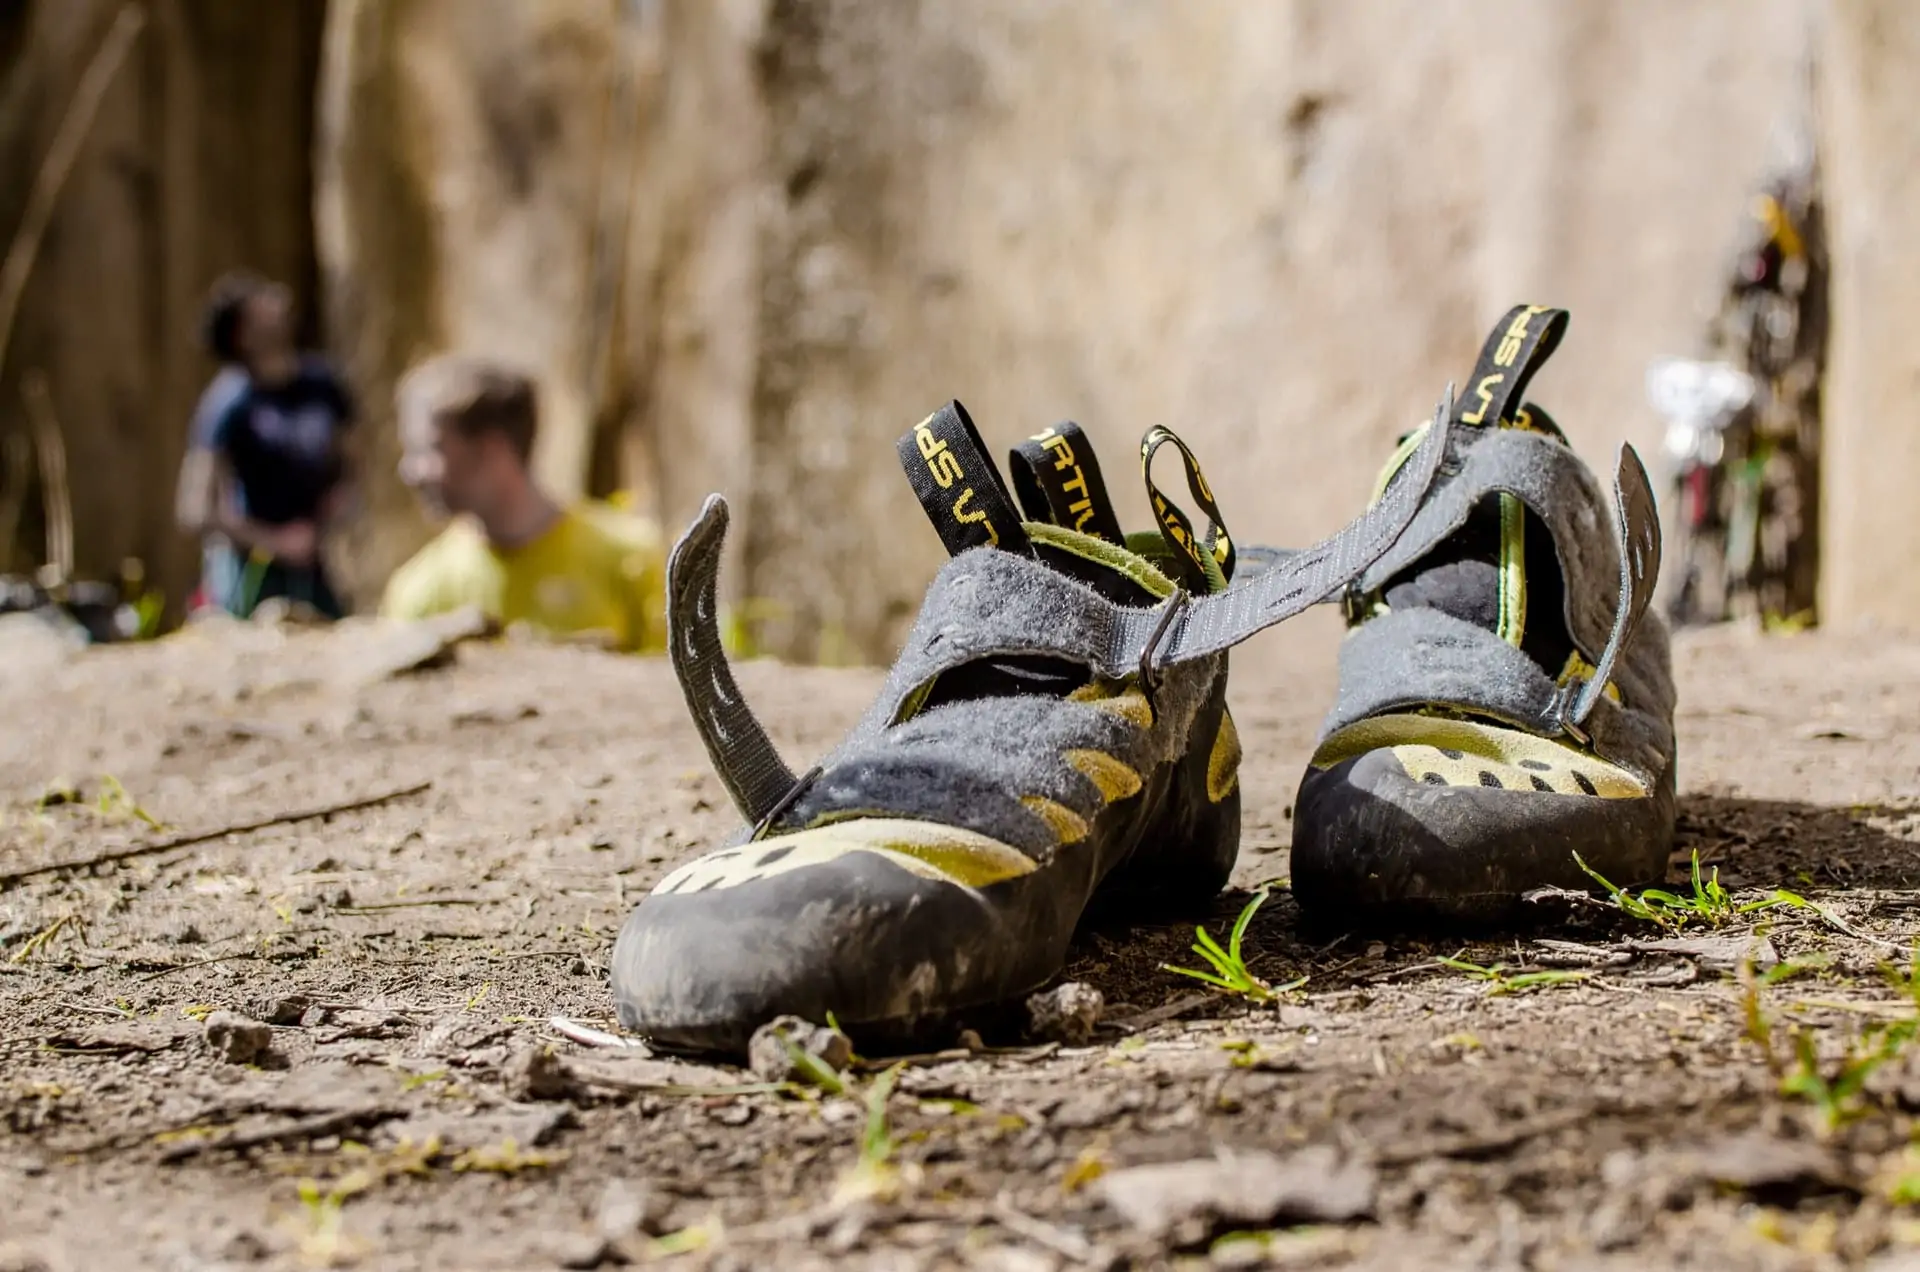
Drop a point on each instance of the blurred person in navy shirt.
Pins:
(266, 468)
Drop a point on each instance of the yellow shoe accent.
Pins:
(1067, 826)
(1223, 765)
(1513, 570)
(1120, 697)
(1115, 779)
(928, 849)
(1444, 752)
(1578, 668)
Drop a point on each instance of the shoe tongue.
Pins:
(958, 485)
(1057, 477)
(1460, 577)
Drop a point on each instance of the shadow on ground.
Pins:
(1861, 862)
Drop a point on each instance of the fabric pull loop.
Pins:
(1517, 348)
(958, 486)
(1215, 623)
(1057, 477)
(1205, 563)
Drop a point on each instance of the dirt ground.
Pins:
(402, 1109)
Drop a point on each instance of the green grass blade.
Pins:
(1209, 947)
(816, 1070)
(1240, 924)
(1764, 903)
(1459, 964)
(1208, 977)
(877, 1145)
(1534, 980)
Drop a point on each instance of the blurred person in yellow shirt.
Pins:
(467, 426)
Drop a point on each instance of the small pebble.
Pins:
(582, 1251)
(244, 1246)
(285, 1010)
(771, 1059)
(1066, 1013)
(537, 1074)
(628, 1208)
(238, 1040)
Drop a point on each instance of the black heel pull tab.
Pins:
(1519, 346)
(958, 485)
(742, 753)
(1206, 564)
(1057, 477)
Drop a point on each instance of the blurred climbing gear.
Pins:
(1743, 425)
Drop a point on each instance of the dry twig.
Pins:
(17, 877)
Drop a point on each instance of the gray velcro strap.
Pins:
(1414, 660)
(1609, 570)
(742, 753)
(1292, 584)
(986, 601)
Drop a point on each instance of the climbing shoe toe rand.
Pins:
(879, 922)
(1378, 844)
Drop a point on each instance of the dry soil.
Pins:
(408, 1102)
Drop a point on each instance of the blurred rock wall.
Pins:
(560, 184)
(1872, 450)
(1280, 228)
(198, 162)
(747, 242)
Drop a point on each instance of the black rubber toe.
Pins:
(1374, 848)
(877, 946)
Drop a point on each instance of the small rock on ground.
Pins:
(238, 1040)
(1187, 1202)
(1066, 1013)
(770, 1052)
(537, 1074)
(580, 1250)
(628, 1208)
(1757, 1163)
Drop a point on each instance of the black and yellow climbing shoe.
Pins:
(1054, 735)
(1505, 699)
